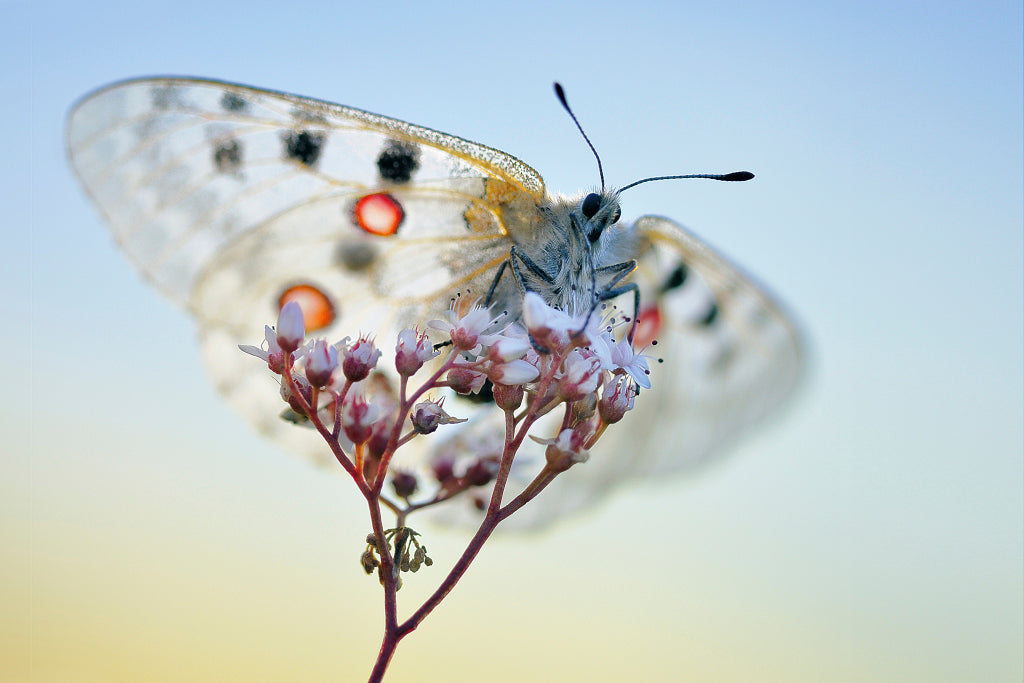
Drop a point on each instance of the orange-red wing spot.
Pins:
(648, 327)
(317, 309)
(379, 214)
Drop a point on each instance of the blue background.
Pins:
(872, 531)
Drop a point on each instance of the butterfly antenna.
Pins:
(560, 93)
(735, 176)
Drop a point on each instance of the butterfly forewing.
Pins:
(225, 196)
(182, 169)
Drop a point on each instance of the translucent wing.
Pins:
(730, 355)
(224, 196)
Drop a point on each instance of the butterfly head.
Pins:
(598, 211)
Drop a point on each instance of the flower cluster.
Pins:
(564, 376)
(568, 371)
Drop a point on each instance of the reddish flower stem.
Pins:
(394, 632)
(516, 430)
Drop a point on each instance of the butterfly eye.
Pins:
(591, 203)
(617, 216)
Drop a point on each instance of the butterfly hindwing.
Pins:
(727, 351)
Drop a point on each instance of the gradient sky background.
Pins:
(872, 531)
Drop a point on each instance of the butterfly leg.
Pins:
(610, 291)
(515, 256)
(533, 267)
(528, 262)
(494, 284)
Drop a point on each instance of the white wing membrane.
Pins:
(147, 152)
(722, 374)
(223, 195)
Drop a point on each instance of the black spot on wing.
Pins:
(304, 147)
(398, 161)
(233, 102)
(676, 279)
(228, 156)
(164, 97)
(355, 256)
(709, 318)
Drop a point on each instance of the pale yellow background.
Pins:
(871, 532)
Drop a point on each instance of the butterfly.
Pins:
(232, 200)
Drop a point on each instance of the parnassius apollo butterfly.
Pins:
(228, 198)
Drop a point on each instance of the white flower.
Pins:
(321, 361)
(513, 372)
(565, 450)
(540, 319)
(412, 351)
(274, 355)
(359, 359)
(466, 332)
(581, 375)
(508, 347)
(556, 330)
(624, 358)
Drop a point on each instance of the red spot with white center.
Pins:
(648, 327)
(317, 309)
(379, 214)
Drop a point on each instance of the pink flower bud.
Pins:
(378, 441)
(427, 416)
(357, 418)
(617, 398)
(566, 450)
(582, 375)
(412, 351)
(304, 389)
(508, 396)
(291, 326)
(359, 359)
(464, 380)
(482, 471)
(443, 469)
(404, 483)
(321, 360)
